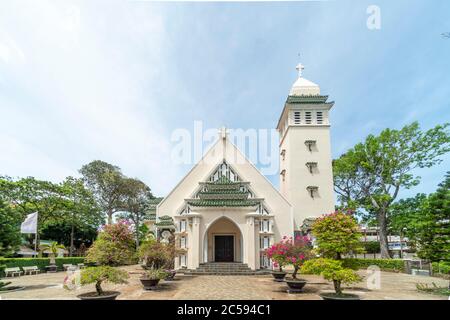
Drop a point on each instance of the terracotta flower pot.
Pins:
(107, 295)
(295, 285)
(279, 275)
(335, 296)
(149, 284)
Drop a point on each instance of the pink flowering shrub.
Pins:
(290, 252)
(114, 245)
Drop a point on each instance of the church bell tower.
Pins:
(306, 177)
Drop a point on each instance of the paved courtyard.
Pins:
(393, 286)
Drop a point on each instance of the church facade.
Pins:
(225, 210)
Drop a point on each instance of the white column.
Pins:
(194, 244)
(251, 248)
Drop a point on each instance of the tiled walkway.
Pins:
(393, 286)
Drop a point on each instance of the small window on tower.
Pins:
(283, 174)
(297, 119)
(283, 154)
(319, 117)
(308, 117)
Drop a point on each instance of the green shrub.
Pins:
(371, 246)
(442, 267)
(396, 265)
(41, 263)
(98, 275)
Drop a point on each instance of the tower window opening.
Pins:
(283, 174)
(310, 144)
(297, 118)
(319, 117)
(312, 190)
(308, 117)
(311, 166)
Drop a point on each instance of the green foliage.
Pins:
(434, 229)
(135, 203)
(114, 246)
(372, 173)
(99, 275)
(156, 255)
(337, 234)
(106, 182)
(396, 265)
(60, 232)
(53, 247)
(41, 263)
(371, 246)
(426, 222)
(441, 267)
(331, 270)
(155, 274)
(10, 238)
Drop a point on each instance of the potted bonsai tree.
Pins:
(276, 253)
(332, 270)
(155, 257)
(296, 253)
(99, 275)
(114, 246)
(152, 277)
(336, 235)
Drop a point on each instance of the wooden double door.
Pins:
(223, 248)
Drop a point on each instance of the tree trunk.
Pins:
(98, 287)
(382, 224)
(110, 216)
(337, 287)
(72, 232)
(294, 275)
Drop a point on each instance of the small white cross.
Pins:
(300, 69)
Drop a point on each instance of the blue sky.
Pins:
(111, 80)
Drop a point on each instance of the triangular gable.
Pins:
(223, 150)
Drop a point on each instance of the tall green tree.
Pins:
(135, 204)
(106, 182)
(28, 195)
(378, 168)
(10, 237)
(434, 228)
(81, 210)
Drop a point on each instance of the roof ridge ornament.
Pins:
(223, 132)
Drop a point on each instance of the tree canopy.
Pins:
(371, 174)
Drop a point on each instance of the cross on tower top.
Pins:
(300, 69)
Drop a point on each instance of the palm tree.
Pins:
(53, 247)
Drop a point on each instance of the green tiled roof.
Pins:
(165, 221)
(223, 193)
(223, 203)
(307, 99)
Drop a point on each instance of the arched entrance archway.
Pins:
(223, 242)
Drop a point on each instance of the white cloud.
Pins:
(82, 92)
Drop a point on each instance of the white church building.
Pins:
(225, 210)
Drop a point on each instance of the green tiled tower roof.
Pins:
(224, 193)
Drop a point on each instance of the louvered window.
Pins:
(297, 118)
(319, 117)
(308, 117)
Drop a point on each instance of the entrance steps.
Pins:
(223, 268)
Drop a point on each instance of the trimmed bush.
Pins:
(395, 265)
(442, 267)
(41, 263)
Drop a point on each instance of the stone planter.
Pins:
(334, 296)
(170, 275)
(279, 275)
(295, 285)
(107, 295)
(149, 284)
